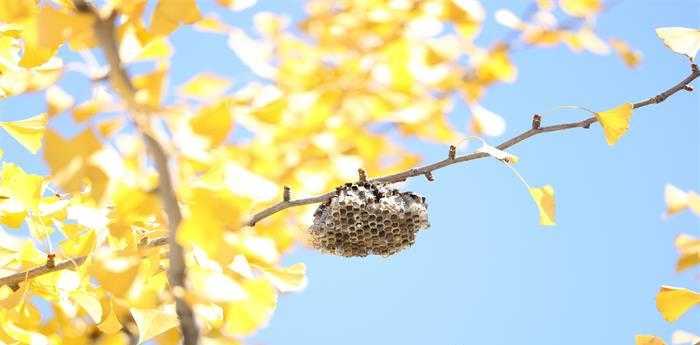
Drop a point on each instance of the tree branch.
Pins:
(15, 279)
(106, 36)
(427, 169)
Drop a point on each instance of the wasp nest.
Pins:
(367, 218)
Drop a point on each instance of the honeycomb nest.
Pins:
(367, 218)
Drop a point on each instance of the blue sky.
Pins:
(485, 272)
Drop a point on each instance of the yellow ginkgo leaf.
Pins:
(16, 10)
(110, 322)
(57, 100)
(23, 336)
(615, 122)
(544, 198)
(682, 337)
(152, 322)
(237, 5)
(684, 41)
(581, 8)
(89, 303)
(486, 122)
(292, 278)
(151, 86)
(498, 154)
(213, 122)
(627, 54)
(205, 85)
(20, 186)
(169, 14)
(673, 302)
(244, 317)
(57, 26)
(215, 286)
(27, 132)
(648, 340)
(688, 248)
(80, 245)
(678, 200)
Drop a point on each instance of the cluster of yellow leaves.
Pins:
(672, 302)
(544, 29)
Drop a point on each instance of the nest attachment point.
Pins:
(366, 218)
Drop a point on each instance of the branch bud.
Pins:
(51, 260)
(453, 152)
(362, 174)
(536, 121)
(286, 194)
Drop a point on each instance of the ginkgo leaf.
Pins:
(213, 122)
(80, 245)
(57, 100)
(486, 122)
(237, 5)
(681, 337)
(684, 41)
(629, 56)
(544, 198)
(244, 317)
(216, 286)
(581, 8)
(20, 186)
(152, 322)
(292, 278)
(89, 303)
(110, 322)
(498, 154)
(170, 14)
(678, 200)
(689, 249)
(615, 122)
(205, 85)
(23, 336)
(151, 86)
(27, 132)
(648, 340)
(16, 10)
(673, 302)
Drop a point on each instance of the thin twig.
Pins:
(106, 36)
(20, 277)
(427, 169)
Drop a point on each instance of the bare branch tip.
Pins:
(362, 174)
(536, 121)
(51, 260)
(452, 153)
(286, 195)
